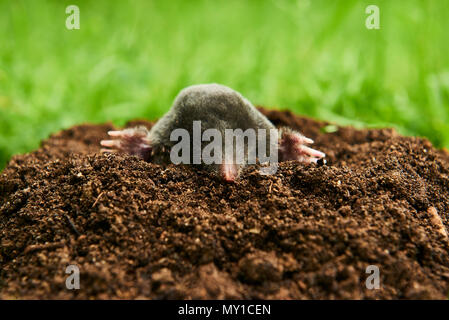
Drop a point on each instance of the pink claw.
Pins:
(306, 140)
(132, 141)
(292, 147)
(116, 133)
(312, 152)
(110, 143)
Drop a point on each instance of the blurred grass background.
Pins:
(130, 59)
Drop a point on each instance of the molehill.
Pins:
(139, 230)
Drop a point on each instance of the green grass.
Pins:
(130, 59)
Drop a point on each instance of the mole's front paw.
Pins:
(132, 141)
(292, 147)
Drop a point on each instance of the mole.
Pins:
(215, 107)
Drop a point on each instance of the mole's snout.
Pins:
(229, 172)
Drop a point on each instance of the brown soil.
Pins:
(138, 230)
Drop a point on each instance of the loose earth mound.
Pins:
(139, 230)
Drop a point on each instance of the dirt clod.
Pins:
(138, 230)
